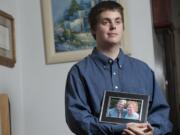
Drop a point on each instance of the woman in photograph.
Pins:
(132, 110)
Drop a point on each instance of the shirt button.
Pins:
(120, 66)
(116, 87)
(114, 73)
(110, 61)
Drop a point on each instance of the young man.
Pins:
(108, 68)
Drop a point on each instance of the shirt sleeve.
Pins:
(158, 115)
(79, 116)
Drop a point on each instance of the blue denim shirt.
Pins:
(114, 112)
(88, 79)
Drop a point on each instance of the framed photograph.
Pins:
(7, 40)
(120, 107)
(67, 35)
(4, 115)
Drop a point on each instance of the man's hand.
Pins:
(149, 130)
(138, 129)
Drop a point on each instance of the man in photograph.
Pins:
(119, 110)
(109, 68)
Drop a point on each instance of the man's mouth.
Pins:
(112, 34)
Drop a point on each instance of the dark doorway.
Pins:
(165, 60)
(166, 72)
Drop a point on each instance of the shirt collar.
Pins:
(104, 60)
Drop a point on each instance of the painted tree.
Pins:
(73, 7)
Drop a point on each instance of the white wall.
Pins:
(140, 27)
(11, 78)
(41, 86)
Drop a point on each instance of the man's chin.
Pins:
(114, 43)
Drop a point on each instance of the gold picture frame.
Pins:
(4, 115)
(49, 31)
(7, 40)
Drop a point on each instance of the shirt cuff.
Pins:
(117, 129)
(156, 131)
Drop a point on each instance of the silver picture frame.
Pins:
(110, 100)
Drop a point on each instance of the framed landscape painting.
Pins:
(67, 35)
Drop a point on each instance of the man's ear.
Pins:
(93, 32)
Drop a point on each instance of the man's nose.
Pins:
(112, 26)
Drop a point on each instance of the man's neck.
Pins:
(111, 52)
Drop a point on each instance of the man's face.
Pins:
(120, 105)
(109, 28)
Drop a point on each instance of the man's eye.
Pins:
(118, 22)
(105, 22)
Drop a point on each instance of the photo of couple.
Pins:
(124, 109)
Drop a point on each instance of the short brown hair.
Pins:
(94, 13)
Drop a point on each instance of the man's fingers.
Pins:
(124, 133)
(149, 128)
(137, 130)
(149, 133)
(129, 132)
(139, 125)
